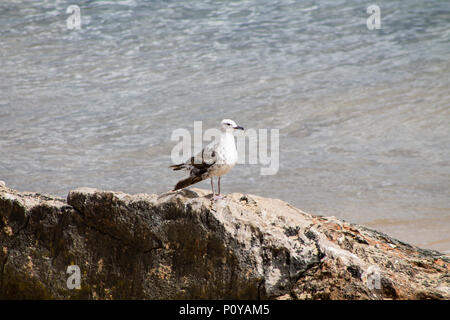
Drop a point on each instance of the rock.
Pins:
(181, 245)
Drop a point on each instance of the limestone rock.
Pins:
(182, 245)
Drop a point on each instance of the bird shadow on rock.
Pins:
(184, 192)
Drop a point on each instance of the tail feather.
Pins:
(187, 182)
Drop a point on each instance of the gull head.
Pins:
(228, 125)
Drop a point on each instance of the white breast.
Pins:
(220, 169)
(226, 156)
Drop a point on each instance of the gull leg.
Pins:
(218, 183)
(218, 196)
(212, 186)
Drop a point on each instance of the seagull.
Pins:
(215, 160)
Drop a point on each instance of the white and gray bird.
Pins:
(215, 160)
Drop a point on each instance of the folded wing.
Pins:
(198, 165)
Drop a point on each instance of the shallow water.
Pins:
(363, 114)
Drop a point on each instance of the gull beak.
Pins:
(238, 128)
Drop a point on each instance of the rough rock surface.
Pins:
(184, 246)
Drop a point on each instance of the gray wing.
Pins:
(201, 162)
(198, 165)
(208, 156)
